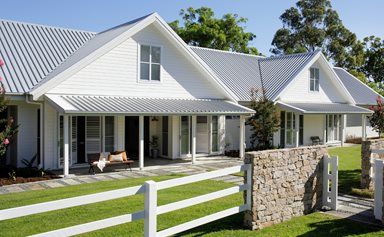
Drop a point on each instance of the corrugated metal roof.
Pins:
(127, 105)
(239, 72)
(325, 108)
(278, 72)
(31, 52)
(242, 72)
(361, 93)
(95, 43)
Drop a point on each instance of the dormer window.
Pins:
(314, 79)
(150, 63)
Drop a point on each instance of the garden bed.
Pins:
(10, 175)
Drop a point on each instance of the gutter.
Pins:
(41, 107)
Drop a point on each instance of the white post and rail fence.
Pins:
(151, 210)
(377, 166)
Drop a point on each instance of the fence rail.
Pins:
(151, 210)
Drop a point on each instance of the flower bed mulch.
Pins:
(8, 181)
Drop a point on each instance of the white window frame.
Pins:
(139, 80)
(314, 80)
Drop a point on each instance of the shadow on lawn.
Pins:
(349, 179)
(234, 222)
(340, 227)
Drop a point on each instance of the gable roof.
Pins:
(277, 72)
(239, 72)
(95, 43)
(105, 41)
(361, 93)
(242, 72)
(32, 51)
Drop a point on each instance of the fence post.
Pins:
(150, 209)
(335, 181)
(378, 192)
(330, 196)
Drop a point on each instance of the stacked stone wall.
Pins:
(366, 151)
(285, 183)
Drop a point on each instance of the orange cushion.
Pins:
(125, 158)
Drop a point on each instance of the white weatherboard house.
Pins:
(76, 93)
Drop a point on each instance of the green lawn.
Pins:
(350, 170)
(316, 224)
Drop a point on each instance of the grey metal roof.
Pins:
(95, 43)
(325, 108)
(277, 72)
(127, 105)
(239, 72)
(242, 72)
(31, 52)
(361, 93)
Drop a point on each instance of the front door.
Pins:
(80, 139)
(132, 136)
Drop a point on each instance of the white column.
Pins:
(193, 139)
(297, 129)
(363, 127)
(66, 144)
(242, 136)
(343, 126)
(325, 130)
(210, 134)
(141, 142)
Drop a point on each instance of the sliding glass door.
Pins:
(333, 127)
(185, 131)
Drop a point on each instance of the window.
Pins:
(109, 137)
(150, 63)
(314, 79)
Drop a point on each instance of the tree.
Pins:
(265, 122)
(313, 24)
(7, 128)
(373, 66)
(201, 28)
(377, 118)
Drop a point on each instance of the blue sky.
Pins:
(362, 17)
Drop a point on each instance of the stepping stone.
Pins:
(87, 180)
(70, 181)
(54, 184)
(13, 189)
(101, 177)
(35, 187)
(117, 176)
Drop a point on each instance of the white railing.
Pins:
(330, 181)
(151, 210)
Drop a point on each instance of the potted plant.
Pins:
(154, 146)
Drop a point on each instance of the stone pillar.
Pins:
(285, 183)
(366, 155)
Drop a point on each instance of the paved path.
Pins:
(202, 165)
(357, 209)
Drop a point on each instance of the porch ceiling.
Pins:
(84, 104)
(324, 108)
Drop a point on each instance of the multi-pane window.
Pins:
(109, 136)
(314, 78)
(150, 57)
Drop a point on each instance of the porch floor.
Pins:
(153, 167)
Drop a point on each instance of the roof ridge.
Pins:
(127, 23)
(290, 55)
(225, 51)
(48, 26)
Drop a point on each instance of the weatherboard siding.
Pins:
(298, 90)
(116, 73)
(50, 137)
